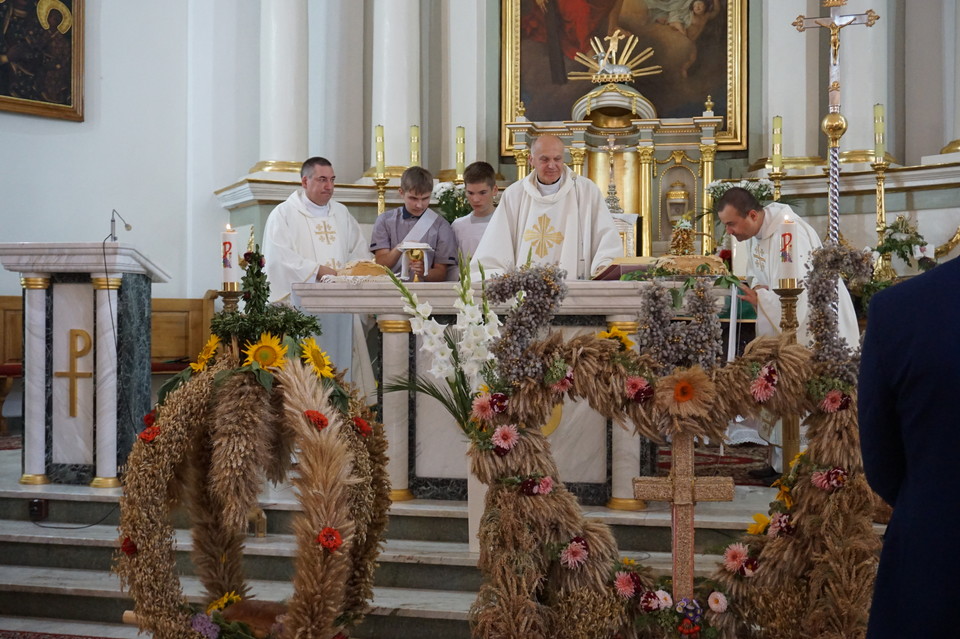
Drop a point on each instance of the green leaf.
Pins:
(222, 376)
(677, 295)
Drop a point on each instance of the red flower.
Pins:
(362, 426)
(149, 433)
(498, 402)
(500, 451)
(649, 602)
(330, 539)
(317, 418)
(529, 486)
(687, 627)
(750, 565)
(150, 418)
(128, 547)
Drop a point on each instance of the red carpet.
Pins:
(736, 462)
(10, 442)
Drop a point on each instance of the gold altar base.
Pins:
(619, 503)
(863, 156)
(401, 494)
(34, 480)
(276, 166)
(105, 482)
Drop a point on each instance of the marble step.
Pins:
(95, 596)
(403, 562)
(67, 627)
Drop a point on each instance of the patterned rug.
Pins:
(10, 442)
(735, 462)
(20, 634)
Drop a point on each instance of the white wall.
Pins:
(170, 106)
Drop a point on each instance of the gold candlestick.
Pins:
(381, 183)
(882, 269)
(777, 178)
(789, 291)
(416, 255)
(231, 297)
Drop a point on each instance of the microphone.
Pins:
(113, 225)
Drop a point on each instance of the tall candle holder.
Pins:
(776, 177)
(381, 182)
(882, 269)
(789, 290)
(231, 295)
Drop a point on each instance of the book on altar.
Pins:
(623, 265)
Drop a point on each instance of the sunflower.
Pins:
(618, 334)
(206, 354)
(761, 522)
(687, 393)
(316, 358)
(268, 352)
(227, 599)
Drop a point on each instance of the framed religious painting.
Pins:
(701, 46)
(41, 58)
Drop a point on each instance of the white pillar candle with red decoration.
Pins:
(229, 259)
(789, 268)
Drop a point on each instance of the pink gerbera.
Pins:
(734, 556)
(762, 389)
(623, 582)
(482, 406)
(633, 384)
(564, 384)
(831, 401)
(820, 479)
(574, 555)
(505, 437)
(546, 486)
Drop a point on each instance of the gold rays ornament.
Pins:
(609, 64)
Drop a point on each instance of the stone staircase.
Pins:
(58, 570)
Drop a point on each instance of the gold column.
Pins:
(646, 200)
(708, 154)
(522, 157)
(577, 155)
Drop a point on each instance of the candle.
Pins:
(461, 141)
(414, 145)
(880, 147)
(734, 307)
(378, 135)
(228, 256)
(777, 143)
(789, 269)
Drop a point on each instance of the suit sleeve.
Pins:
(880, 435)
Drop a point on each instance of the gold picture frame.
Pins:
(717, 45)
(41, 58)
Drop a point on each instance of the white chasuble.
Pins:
(295, 245)
(763, 266)
(572, 228)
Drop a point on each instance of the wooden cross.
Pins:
(326, 233)
(835, 22)
(683, 489)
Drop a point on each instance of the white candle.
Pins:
(378, 135)
(789, 269)
(461, 142)
(880, 147)
(777, 143)
(228, 253)
(734, 307)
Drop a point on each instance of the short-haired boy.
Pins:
(480, 185)
(414, 222)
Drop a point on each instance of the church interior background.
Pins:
(206, 125)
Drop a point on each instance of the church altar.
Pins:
(86, 356)
(427, 450)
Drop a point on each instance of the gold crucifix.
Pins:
(543, 236)
(683, 490)
(80, 344)
(326, 233)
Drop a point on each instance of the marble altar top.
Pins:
(99, 259)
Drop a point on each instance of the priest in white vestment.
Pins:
(758, 228)
(309, 236)
(553, 216)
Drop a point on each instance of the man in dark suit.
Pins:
(910, 438)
